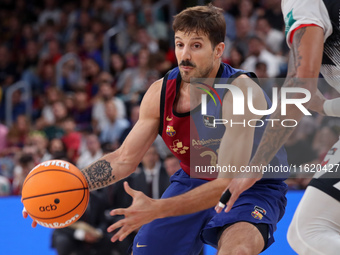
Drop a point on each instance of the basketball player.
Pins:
(185, 218)
(313, 34)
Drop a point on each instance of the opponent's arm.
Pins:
(123, 162)
(303, 70)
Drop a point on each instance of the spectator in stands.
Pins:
(121, 8)
(53, 95)
(236, 57)
(142, 40)
(117, 66)
(230, 19)
(18, 134)
(258, 52)
(151, 178)
(266, 83)
(30, 60)
(91, 70)
(126, 36)
(243, 34)
(271, 37)
(71, 139)
(50, 11)
(5, 186)
(156, 29)
(3, 137)
(21, 170)
(91, 48)
(82, 111)
(8, 73)
(134, 80)
(57, 148)
(59, 112)
(171, 164)
(106, 93)
(18, 104)
(39, 140)
(273, 13)
(91, 153)
(134, 116)
(245, 8)
(115, 127)
(7, 168)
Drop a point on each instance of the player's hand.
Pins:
(235, 188)
(142, 211)
(90, 238)
(25, 214)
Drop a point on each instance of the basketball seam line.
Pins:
(50, 218)
(57, 170)
(54, 193)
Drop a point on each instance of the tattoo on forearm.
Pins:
(272, 140)
(99, 174)
(275, 137)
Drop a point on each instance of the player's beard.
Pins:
(196, 73)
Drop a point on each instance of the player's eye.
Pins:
(197, 45)
(179, 45)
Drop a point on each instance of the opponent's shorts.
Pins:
(185, 235)
(315, 226)
(298, 13)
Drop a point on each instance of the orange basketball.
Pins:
(55, 194)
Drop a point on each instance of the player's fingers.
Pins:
(119, 234)
(24, 213)
(119, 211)
(218, 209)
(125, 233)
(128, 189)
(34, 224)
(233, 198)
(116, 225)
(223, 200)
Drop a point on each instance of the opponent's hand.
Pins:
(25, 214)
(143, 210)
(236, 187)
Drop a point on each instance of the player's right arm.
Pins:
(121, 163)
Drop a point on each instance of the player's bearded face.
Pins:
(194, 55)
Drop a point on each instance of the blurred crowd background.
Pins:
(73, 73)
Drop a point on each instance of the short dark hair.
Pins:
(206, 19)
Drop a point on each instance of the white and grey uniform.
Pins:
(315, 228)
(325, 14)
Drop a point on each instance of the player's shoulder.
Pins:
(152, 98)
(245, 83)
(155, 88)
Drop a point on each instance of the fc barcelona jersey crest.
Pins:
(170, 131)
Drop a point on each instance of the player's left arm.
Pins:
(237, 142)
(303, 71)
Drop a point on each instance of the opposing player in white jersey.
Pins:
(315, 228)
(313, 35)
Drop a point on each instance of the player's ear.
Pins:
(219, 48)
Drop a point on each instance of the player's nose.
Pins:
(186, 54)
